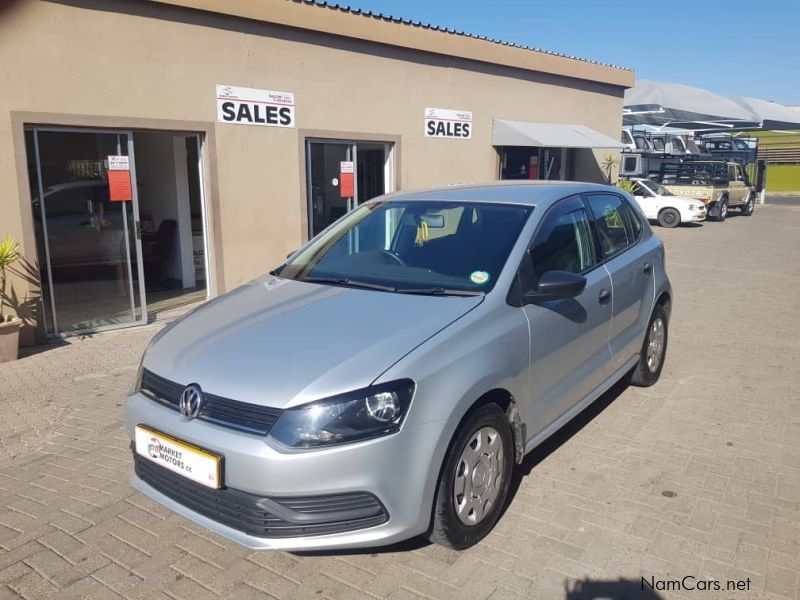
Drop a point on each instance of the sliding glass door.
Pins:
(86, 216)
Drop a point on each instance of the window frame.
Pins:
(593, 222)
(526, 278)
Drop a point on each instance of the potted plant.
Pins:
(9, 324)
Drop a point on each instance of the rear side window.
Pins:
(617, 225)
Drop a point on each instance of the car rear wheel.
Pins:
(653, 352)
(722, 210)
(474, 481)
(669, 217)
(749, 206)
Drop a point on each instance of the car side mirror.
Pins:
(556, 285)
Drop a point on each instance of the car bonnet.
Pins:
(280, 343)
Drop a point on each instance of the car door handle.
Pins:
(648, 268)
(604, 297)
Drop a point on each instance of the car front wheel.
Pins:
(669, 217)
(474, 481)
(653, 352)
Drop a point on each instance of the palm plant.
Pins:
(609, 162)
(9, 253)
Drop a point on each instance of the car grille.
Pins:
(242, 416)
(264, 516)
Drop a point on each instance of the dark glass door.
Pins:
(326, 203)
(328, 198)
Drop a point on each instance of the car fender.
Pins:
(486, 350)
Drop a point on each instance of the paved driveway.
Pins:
(697, 476)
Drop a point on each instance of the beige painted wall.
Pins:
(132, 62)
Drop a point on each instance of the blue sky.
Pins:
(731, 47)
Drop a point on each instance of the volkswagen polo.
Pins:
(383, 382)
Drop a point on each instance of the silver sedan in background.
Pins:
(383, 382)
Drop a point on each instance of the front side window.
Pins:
(413, 247)
(614, 222)
(564, 243)
(657, 188)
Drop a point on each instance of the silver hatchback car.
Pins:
(383, 381)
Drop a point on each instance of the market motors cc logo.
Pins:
(154, 448)
(191, 399)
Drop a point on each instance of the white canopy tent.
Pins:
(682, 106)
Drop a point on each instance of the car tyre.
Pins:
(722, 210)
(474, 481)
(749, 206)
(654, 350)
(669, 217)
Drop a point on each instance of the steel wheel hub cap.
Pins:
(478, 476)
(655, 344)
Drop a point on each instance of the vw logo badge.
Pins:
(191, 399)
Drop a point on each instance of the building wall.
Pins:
(126, 63)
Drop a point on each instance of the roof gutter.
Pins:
(364, 26)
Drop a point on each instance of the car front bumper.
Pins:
(399, 470)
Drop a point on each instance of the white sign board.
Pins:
(117, 162)
(445, 123)
(346, 166)
(249, 106)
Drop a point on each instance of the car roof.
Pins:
(527, 193)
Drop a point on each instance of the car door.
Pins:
(630, 266)
(647, 201)
(569, 337)
(736, 186)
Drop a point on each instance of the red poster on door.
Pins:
(119, 179)
(119, 186)
(346, 182)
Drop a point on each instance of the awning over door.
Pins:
(523, 133)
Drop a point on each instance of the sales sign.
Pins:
(249, 106)
(119, 179)
(346, 176)
(446, 123)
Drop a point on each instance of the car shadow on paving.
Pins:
(563, 435)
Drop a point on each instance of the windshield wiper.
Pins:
(440, 291)
(344, 281)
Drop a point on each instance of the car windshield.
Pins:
(421, 247)
(657, 188)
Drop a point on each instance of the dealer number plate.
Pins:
(179, 457)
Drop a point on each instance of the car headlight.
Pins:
(351, 417)
(136, 386)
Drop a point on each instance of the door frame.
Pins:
(128, 133)
(35, 331)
